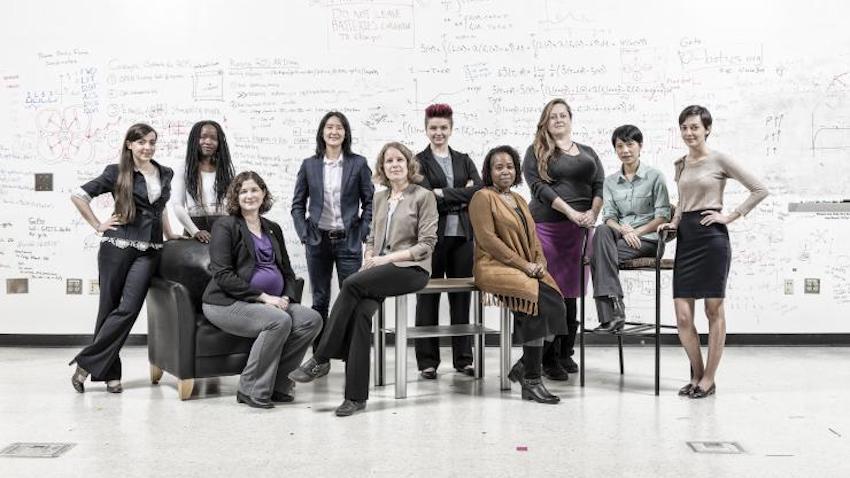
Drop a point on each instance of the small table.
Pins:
(403, 332)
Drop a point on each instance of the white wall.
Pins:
(75, 75)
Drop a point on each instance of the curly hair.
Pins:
(232, 199)
(380, 177)
(487, 167)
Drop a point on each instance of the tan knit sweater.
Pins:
(701, 184)
(503, 251)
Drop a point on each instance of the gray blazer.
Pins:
(414, 225)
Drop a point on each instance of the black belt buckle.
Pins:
(336, 235)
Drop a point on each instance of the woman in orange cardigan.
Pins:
(510, 268)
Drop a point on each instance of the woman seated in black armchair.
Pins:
(250, 294)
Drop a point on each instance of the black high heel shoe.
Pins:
(700, 393)
(78, 378)
(533, 389)
(517, 371)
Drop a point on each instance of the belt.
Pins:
(334, 235)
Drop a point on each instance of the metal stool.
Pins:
(403, 332)
(632, 329)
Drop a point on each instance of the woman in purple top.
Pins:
(566, 180)
(251, 293)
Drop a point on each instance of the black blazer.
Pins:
(147, 225)
(232, 261)
(355, 194)
(455, 197)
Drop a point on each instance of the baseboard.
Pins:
(593, 340)
(69, 340)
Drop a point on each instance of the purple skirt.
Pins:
(561, 242)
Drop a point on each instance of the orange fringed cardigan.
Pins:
(503, 251)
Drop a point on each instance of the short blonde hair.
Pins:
(379, 177)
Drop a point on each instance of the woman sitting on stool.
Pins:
(635, 202)
(251, 291)
(511, 270)
(397, 261)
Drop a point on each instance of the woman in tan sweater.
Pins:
(510, 268)
(397, 261)
(703, 252)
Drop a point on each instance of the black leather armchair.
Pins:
(181, 341)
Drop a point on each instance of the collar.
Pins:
(639, 174)
(333, 162)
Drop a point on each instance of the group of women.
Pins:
(435, 217)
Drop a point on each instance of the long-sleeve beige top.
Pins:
(701, 184)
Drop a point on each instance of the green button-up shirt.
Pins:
(638, 201)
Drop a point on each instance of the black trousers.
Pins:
(321, 259)
(452, 258)
(349, 328)
(125, 275)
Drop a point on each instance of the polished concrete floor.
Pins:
(787, 408)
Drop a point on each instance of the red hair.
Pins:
(439, 110)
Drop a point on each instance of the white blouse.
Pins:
(185, 207)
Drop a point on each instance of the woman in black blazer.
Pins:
(129, 250)
(453, 178)
(332, 208)
(251, 291)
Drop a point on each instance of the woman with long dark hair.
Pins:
(703, 250)
(130, 240)
(453, 178)
(332, 208)
(565, 178)
(201, 184)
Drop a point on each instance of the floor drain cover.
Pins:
(36, 450)
(725, 447)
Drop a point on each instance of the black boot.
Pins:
(532, 385)
(567, 344)
(552, 368)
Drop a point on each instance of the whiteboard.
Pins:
(775, 75)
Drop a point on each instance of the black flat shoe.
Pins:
(242, 398)
(556, 372)
(517, 371)
(429, 373)
(700, 393)
(533, 389)
(117, 388)
(614, 325)
(569, 365)
(282, 397)
(468, 370)
(309, 371)
(78, 378)
(686, 390)
(350, 407)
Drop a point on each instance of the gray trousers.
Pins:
(610, 250)
(282, 338)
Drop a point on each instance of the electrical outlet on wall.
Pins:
(789, 286)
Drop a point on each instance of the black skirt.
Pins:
(703, 257)
(551, 318)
